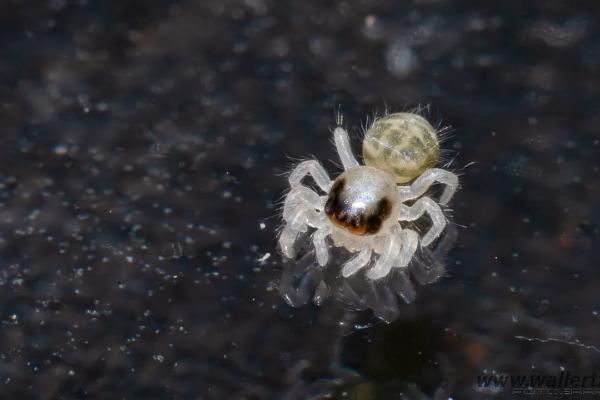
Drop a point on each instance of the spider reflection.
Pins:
(303, 281)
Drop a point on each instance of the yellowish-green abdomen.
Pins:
(404, 144)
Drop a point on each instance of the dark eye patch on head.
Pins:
(357, 223)
(382, 211)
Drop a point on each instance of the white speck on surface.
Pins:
(401, 59)
(61, 149)
(264, 258)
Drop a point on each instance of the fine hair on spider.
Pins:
(366, 209)
(443, 132)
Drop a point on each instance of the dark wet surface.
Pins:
(143, 145)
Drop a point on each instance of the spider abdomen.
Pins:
(361, 200)
(403, 144)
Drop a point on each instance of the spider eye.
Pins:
(353, 225)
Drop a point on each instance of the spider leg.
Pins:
(300, 211)
(357, 262)
(313, 168)
(422, 206)
(410, 240)
(286, 241)
(303, 217)
(428, 178)
(386, 259)
(342, 145)
(321, 246)
(300, 195)
(300, 220)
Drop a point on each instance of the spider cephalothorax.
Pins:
(361, 200)
(364, 207)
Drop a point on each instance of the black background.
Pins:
(143, 144)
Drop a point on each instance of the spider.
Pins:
(364, 208)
